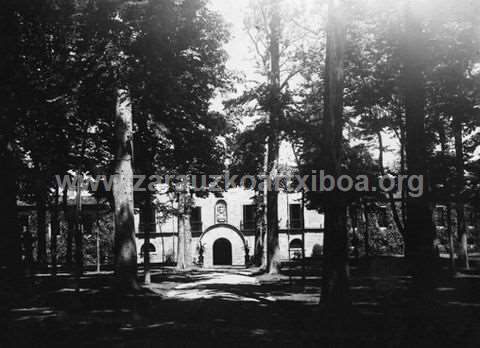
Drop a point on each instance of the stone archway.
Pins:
(223, 245)
(222, 252)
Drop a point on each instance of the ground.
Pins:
(234, 307)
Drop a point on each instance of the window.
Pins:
(196, 219)
(148, 221)
(249, 212)
(221, 212)
(295, 216)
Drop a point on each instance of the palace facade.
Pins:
(223, 230)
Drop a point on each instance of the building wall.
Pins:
(165, 240)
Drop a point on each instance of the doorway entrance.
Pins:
(222, 252)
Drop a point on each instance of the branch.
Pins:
(289, 77)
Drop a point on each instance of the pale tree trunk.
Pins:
(78, 229)
(420, 230)
(67, 216)
(188, 236)
(55, 231)
(335, 288)
(460, 180)
(273, 250)
(149, 227)
(125, 248)
(259, 229)
(184, 258)
(390, 195)
(181, 243)
(451, 241)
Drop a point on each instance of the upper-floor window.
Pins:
(196, 219)
(148, 220)
(295, 216)
(221, 212)
(249, 216)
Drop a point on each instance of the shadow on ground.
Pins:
(231, 307)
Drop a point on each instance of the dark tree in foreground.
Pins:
(335, 288)
(420, 230)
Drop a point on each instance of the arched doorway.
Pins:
(222, 252)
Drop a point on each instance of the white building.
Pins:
(225, 227)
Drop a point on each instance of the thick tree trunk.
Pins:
(420, 230)
(273, 250)
(335, 288)
(184, 258)
(460, 182)
(125, 247)
(10, 248)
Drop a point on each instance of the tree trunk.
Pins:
(69, 241)
(181, 243)
(366, 232)
(41, 227)
(67, 215)
(451, 241)
(460, 183)
(390, 195)
(355, 241)
(420, 230)
(335, 288)
(259, 229)
(149, 227)
(10, 249)
(55, 231)
(274, 114)
(78, 230)
(125, 247)
(184, 255)
(188, 236)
